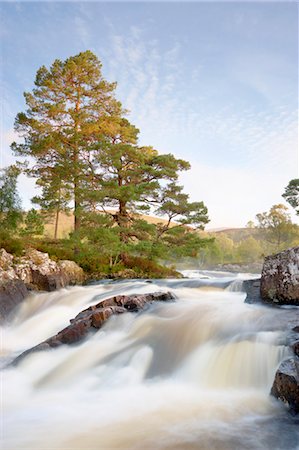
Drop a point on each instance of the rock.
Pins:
(12, 293)
(294, 340)
(23, 271)
(252, 289)
(47, 282)
(295, 347)
(38, 271)
(72, 273)
(95, 316)
(286, 384)
(6, 259)
(34, 271)
(280, 278)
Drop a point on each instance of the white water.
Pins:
(194, 374)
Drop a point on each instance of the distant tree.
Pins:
(10, 203)
(291, 194)
(277, 226)
(249, 250)
(34, 225)
(250, 224)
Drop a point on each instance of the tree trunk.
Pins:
(77, 202)
(56, 223)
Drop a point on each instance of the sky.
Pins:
(215, 83)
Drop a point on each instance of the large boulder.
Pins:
(286, 384)
(280, 278)
(92, 318)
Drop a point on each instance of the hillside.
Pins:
(66, 224)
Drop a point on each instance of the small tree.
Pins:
(10, 203)
(34, 225)
(291, 194)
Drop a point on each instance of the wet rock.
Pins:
(95, 316)
(12, 293)
(286, 384)
(280, 278)
(295, 347)
(252, 289)
(294, 341)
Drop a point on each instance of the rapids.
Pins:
(194, 374)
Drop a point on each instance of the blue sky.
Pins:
(214, 83)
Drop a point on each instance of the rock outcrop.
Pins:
(33, 271)
(280, 278)
(286, 384)
(42, 273)
(92, 318)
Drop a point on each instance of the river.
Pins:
(193, 374)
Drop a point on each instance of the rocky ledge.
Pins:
(92, 318)
(33, 271)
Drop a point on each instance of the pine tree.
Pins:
(291, 194)
(34, 225)
(64, 127)
(85, 151)
(10, 203)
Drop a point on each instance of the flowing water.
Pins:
(194, 374)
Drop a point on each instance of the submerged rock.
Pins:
(95, 316)
(286, 384)
(280, 278)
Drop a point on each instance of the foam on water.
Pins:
(194, 374)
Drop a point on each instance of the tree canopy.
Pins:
(87, 156)
(10, 202)
(291, 194)
(277, 226)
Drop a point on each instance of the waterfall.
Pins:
(194, 374)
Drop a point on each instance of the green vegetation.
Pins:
(291, 194)
(34, 225)
(10, 203)
(86, 159)
(273, 232)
